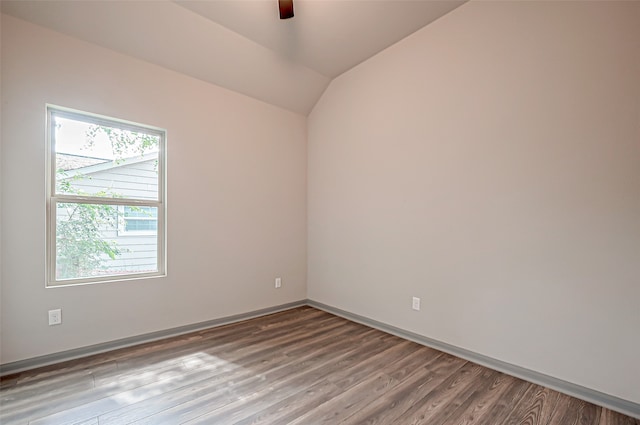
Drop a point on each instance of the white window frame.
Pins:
(53, 199)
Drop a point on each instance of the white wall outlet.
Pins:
(415, 303)
(278, 282)
(55, 317)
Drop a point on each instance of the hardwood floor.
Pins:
(301, 366)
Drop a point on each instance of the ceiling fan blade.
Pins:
(286, 9)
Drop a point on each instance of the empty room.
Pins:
(320, 211)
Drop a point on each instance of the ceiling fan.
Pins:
(286, 9)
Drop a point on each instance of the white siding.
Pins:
(136, 180)
(138, 252)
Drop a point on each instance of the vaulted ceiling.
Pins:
(241, 44)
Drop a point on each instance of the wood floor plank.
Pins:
(537, 406)
(16, 400)
(55, 403)
(296, 405)
(96, 407)
(311, 367)
(346, 377)
(609, 417)
(250, 374)
(404, 367)
(436, 406)
(242, 350)
(464, 400)
(90, 421)
(410, 391)
(576, 412)
(361, 391)
(496, 411)
(13, 421)
(178, 396)
(353, 399)
(482, 399)
(300, 366)
(126, 382)
(230, 346)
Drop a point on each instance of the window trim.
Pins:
(52, 198)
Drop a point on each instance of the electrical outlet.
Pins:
(415, 304)
(278, 282)
(55, 317)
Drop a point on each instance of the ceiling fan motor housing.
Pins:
(286, 9)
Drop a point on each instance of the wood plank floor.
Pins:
(301, 366)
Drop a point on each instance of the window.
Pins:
(106, 203)
(138, 220)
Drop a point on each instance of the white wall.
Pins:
(490, 164)
(236, 196)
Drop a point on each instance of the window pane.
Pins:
(143, 212)
(99, 160)
(141, 225)
(88, 244)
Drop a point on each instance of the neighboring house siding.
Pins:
(138, 253)
(136, 180)
(133, 180)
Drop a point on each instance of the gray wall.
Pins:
(236, 166)
(490, 164)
